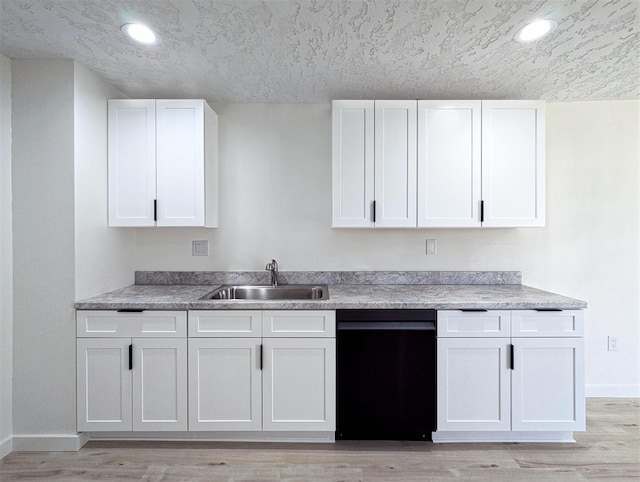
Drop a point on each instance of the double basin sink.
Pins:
(268, 292)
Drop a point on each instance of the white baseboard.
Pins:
(49, 442)
(541, 437)
(241, 436)
(612, 391)
(6, 447)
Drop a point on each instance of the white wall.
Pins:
(275, 197)
(6, 261)
(62, 249)
(104, 256)
(43, 248)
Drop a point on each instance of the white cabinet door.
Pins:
(225, 384)
(132, 162)
(395, 163)
(159, 384)
(103, 385)
(449, 166)
(474, 384)
(299, 377)
(513, 163)
(352, 163)
(180, 162)
(548, 384)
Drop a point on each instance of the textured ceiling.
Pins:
(318, 50)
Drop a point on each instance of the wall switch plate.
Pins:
(612, 343)
(200, 248)
(431, 246)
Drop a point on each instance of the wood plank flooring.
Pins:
(609, 450)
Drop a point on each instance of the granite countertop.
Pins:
(391, 293)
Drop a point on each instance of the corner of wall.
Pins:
(6, 261)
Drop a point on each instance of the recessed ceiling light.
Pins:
(140, 33)
(535, 30)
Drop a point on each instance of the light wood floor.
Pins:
(608, 450)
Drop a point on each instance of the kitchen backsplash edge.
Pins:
(330, 277)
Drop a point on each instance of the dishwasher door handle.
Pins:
(386, 325)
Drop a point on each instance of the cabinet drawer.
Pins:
(532, 323)
(156, 324)
(227, 323)
(475, 324)
(312, 324)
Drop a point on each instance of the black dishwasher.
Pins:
(386, 374)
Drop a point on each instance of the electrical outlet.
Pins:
(431, 246)
(200, 248)
(612, 342)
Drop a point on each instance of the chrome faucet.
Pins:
(273, 269)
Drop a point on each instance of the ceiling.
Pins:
(317, 50)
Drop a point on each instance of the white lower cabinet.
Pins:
(526, 375)
(225, 384)
(104, 384)
(299, 384)
(129, 383)
(474, 386)
(262, 370)
(547, 384)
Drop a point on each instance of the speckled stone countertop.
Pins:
(394, 290)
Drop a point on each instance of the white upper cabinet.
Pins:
(434, 163)
(374, 163)
(163, 163)
(513, 163)
(353, 158)
(132, 162)
(395, 163)
(449, 167)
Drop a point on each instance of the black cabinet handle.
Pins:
(155, 209)
(473, 311)
(374, 211)
(547, 309)
(130, 357)
(130, 310)
(261, 348)
(481, 211)
(512, 362)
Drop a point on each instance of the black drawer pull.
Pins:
(548, 309)
(473, 311)
(130, 310)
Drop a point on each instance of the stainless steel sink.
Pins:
(281, 292)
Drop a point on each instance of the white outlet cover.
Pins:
(431, 246)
